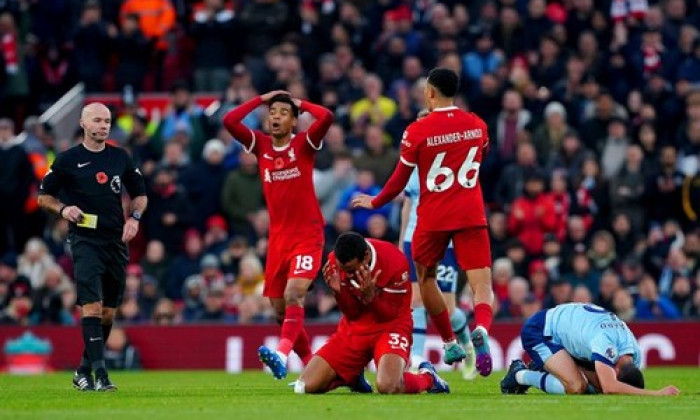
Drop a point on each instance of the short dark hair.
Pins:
(444, 80)
(285, 99)
(350, 245)
(631, 375)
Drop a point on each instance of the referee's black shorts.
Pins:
(99, 269)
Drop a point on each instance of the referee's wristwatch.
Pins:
(136, 215)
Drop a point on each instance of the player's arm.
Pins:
(399, 178)
(392, 188)
(324, 119)
(610, 385)
(233, 123)
(385, 302)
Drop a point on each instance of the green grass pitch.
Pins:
(256, 396)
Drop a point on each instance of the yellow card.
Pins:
(89, 221)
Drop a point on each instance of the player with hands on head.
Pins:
(285, 163)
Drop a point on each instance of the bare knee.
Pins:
(108, 316)
(93, 309)
(294, 296)
(388, 385)
(575, 387)
(313, 384)
(314, 387)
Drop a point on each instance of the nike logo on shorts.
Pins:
(95, 338)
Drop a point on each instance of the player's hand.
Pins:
(73, 214)
(297, 102)
(131, 228)
(363, 200)
(368, 283)
(330, 275)
(269, 95)
(669, 390)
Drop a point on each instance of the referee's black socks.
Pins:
(94, 342)
(85, 365)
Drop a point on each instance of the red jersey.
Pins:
(447, 146)
(392, 302)
(286, 171)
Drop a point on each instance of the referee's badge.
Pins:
(116, 184)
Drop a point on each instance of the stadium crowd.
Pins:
(592, 179)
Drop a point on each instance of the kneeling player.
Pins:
(576, 349)
(370, 281)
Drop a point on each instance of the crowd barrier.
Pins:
(234, 347)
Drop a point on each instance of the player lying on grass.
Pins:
(369, 279)
(579, 348)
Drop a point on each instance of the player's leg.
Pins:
(460, 326)
(304, 265)
(420, 317)
(593, 386)
(447, 278)
(293, 324)
(428, 250)
(568, 376)
(472, 248)
(391, 352)
(276, 268)
(420, 327)
(318, 377)
(340, 362)
(560, 375)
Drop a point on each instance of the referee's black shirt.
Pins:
(94, 181)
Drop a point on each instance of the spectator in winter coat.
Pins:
(242, 194)
(169, 213)
(651, 306)
(204, 180)
(532, 215)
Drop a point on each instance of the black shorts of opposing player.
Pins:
(350, 246)
(100, 270)
(445, 81)
(631, 375)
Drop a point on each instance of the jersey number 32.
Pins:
(467, 176)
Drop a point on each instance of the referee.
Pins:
(84, 186)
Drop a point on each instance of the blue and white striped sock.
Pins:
(542, 380)
(420, 325)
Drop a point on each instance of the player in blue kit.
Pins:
(576, 349)
(447, 274)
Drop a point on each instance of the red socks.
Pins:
(483, 315)
(292, 326)
(415, 383)
(302, 347)
(443, 325)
